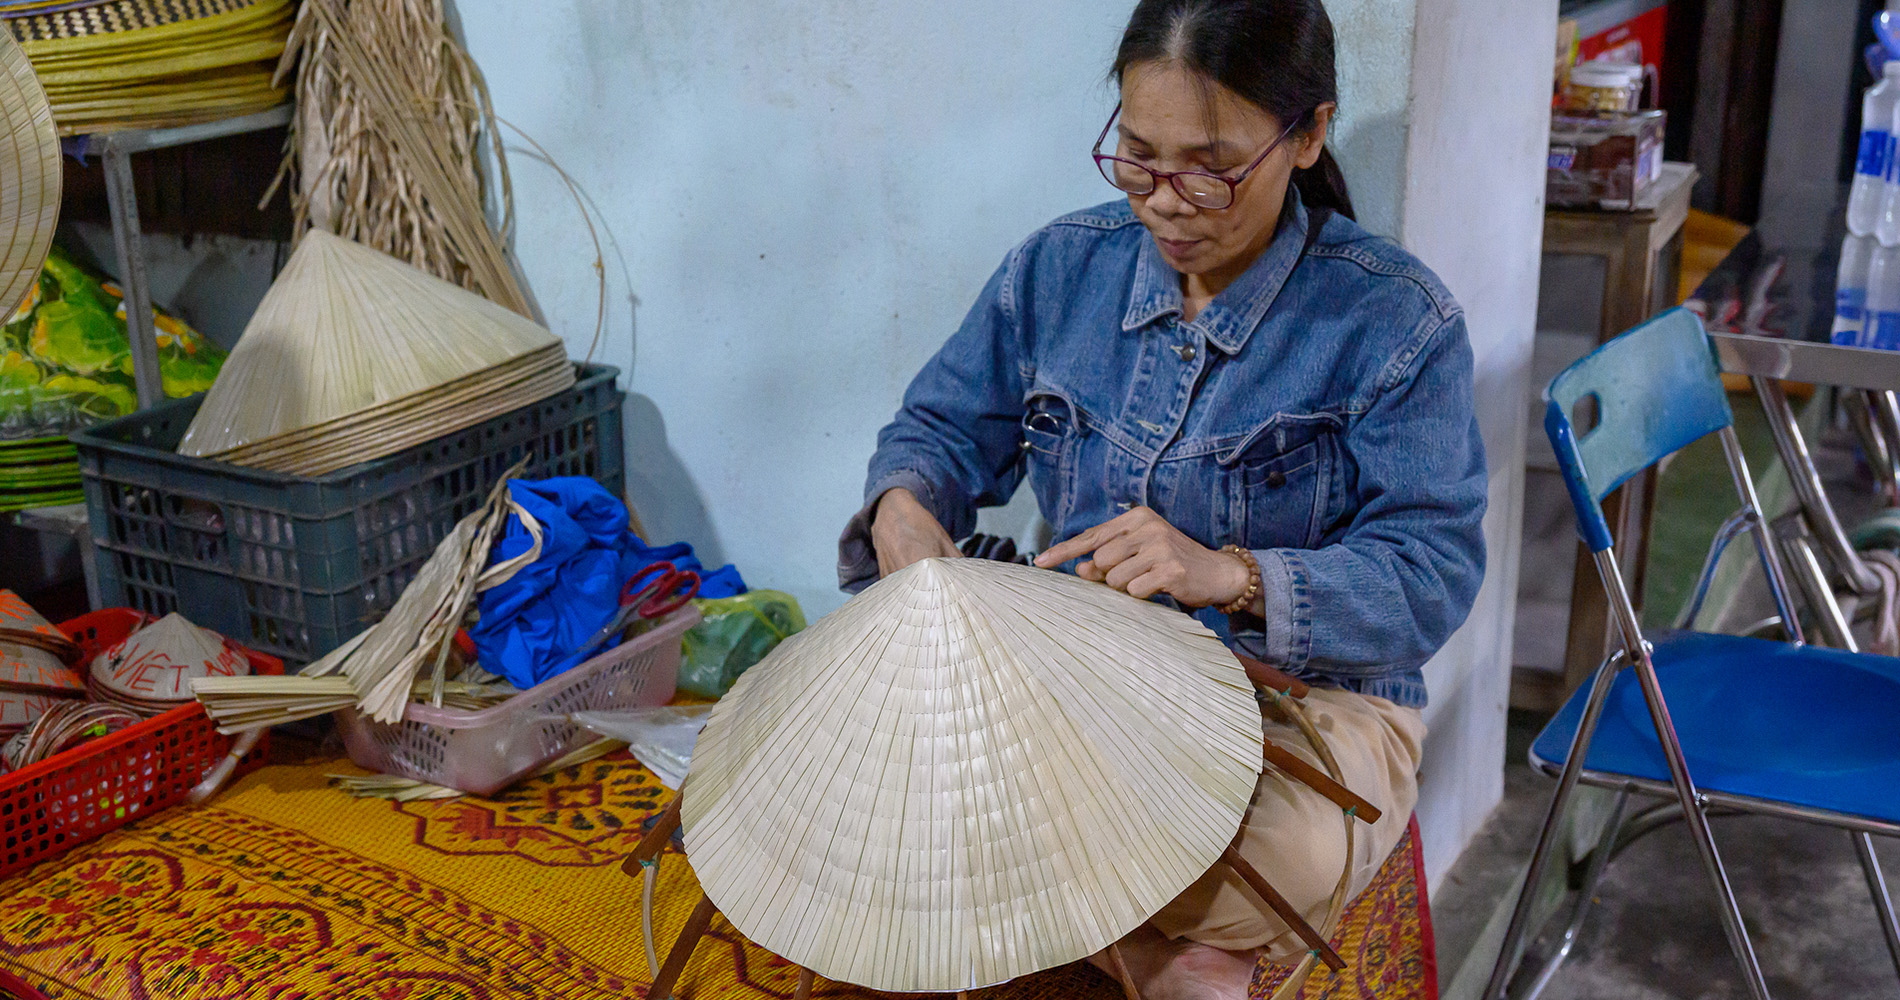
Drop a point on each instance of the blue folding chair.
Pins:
(1708, 721)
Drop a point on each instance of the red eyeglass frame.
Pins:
(1233, 183)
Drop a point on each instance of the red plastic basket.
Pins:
(103, 784)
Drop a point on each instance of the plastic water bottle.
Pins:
(1882, 328)
(1850, 290)
(1865, 199)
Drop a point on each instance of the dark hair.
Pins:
(1277, 54)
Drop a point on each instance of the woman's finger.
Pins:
(1084, 543)
(1128, 570)
(1149, 584)
(1116, 551)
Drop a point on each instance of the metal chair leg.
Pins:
(1515, 932)
(1586, 895)
(1877, 887)
(1698, 824)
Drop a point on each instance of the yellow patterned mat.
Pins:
(285, 889)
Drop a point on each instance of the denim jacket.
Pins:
(1318, 411)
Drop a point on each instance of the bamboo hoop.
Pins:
(1336, 906)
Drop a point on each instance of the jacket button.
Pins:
(1186, 351)
(1276, 479)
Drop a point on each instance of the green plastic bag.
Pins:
(736, 633)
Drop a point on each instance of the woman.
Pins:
(1228, 395)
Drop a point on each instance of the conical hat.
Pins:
(27, 666)
(18, 709)
(158, 662)
(344, 330)
(970, 772)
(29, 186)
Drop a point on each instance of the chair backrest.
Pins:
(1656, 390)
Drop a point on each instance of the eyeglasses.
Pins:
(1197, 187)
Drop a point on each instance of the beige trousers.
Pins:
(1296, 838)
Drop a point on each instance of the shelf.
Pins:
(145, 140)
(115, 150)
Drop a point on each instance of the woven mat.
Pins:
(286, 889)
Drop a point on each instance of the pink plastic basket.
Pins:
(482, 752)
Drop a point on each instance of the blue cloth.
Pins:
(533, 626)
(1318, 411)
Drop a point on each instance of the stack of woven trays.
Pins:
(38, 472)
(119, 64)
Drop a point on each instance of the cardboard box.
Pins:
(1603, 160)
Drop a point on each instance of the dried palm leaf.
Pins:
(387, 143)
(377, 670)
(389, 786)
(970, 772)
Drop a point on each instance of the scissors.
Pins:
(658, 590)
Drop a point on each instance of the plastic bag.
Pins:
(66, 362)
(662, 738)
(736, 633)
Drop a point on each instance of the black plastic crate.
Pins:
(295, 566)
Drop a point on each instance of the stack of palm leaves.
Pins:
(402, 658)
(115, 64)
(354, 355)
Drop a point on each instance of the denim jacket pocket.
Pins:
(1274, 497)
(1051, 426)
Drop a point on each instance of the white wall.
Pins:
(803, 199)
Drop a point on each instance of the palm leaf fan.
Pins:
(971, 772)
(354, 355)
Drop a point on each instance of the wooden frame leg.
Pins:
(1265, 890)
(1321, 782)
(804, 985)
(1121, 972)
(655, 840)
(676, 959)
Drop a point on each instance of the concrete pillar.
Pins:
(1444, 135)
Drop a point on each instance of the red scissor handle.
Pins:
(660, 589)
(651, 576)
(677, 590)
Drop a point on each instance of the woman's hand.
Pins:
(1144, 555)
(904, 532)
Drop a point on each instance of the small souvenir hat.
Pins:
(971, 772)
(151, 670)
(18, 709)
(33, 652)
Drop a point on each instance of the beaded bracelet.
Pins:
(1245, 600)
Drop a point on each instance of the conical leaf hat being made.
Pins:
(353, 351)
(971, 772)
